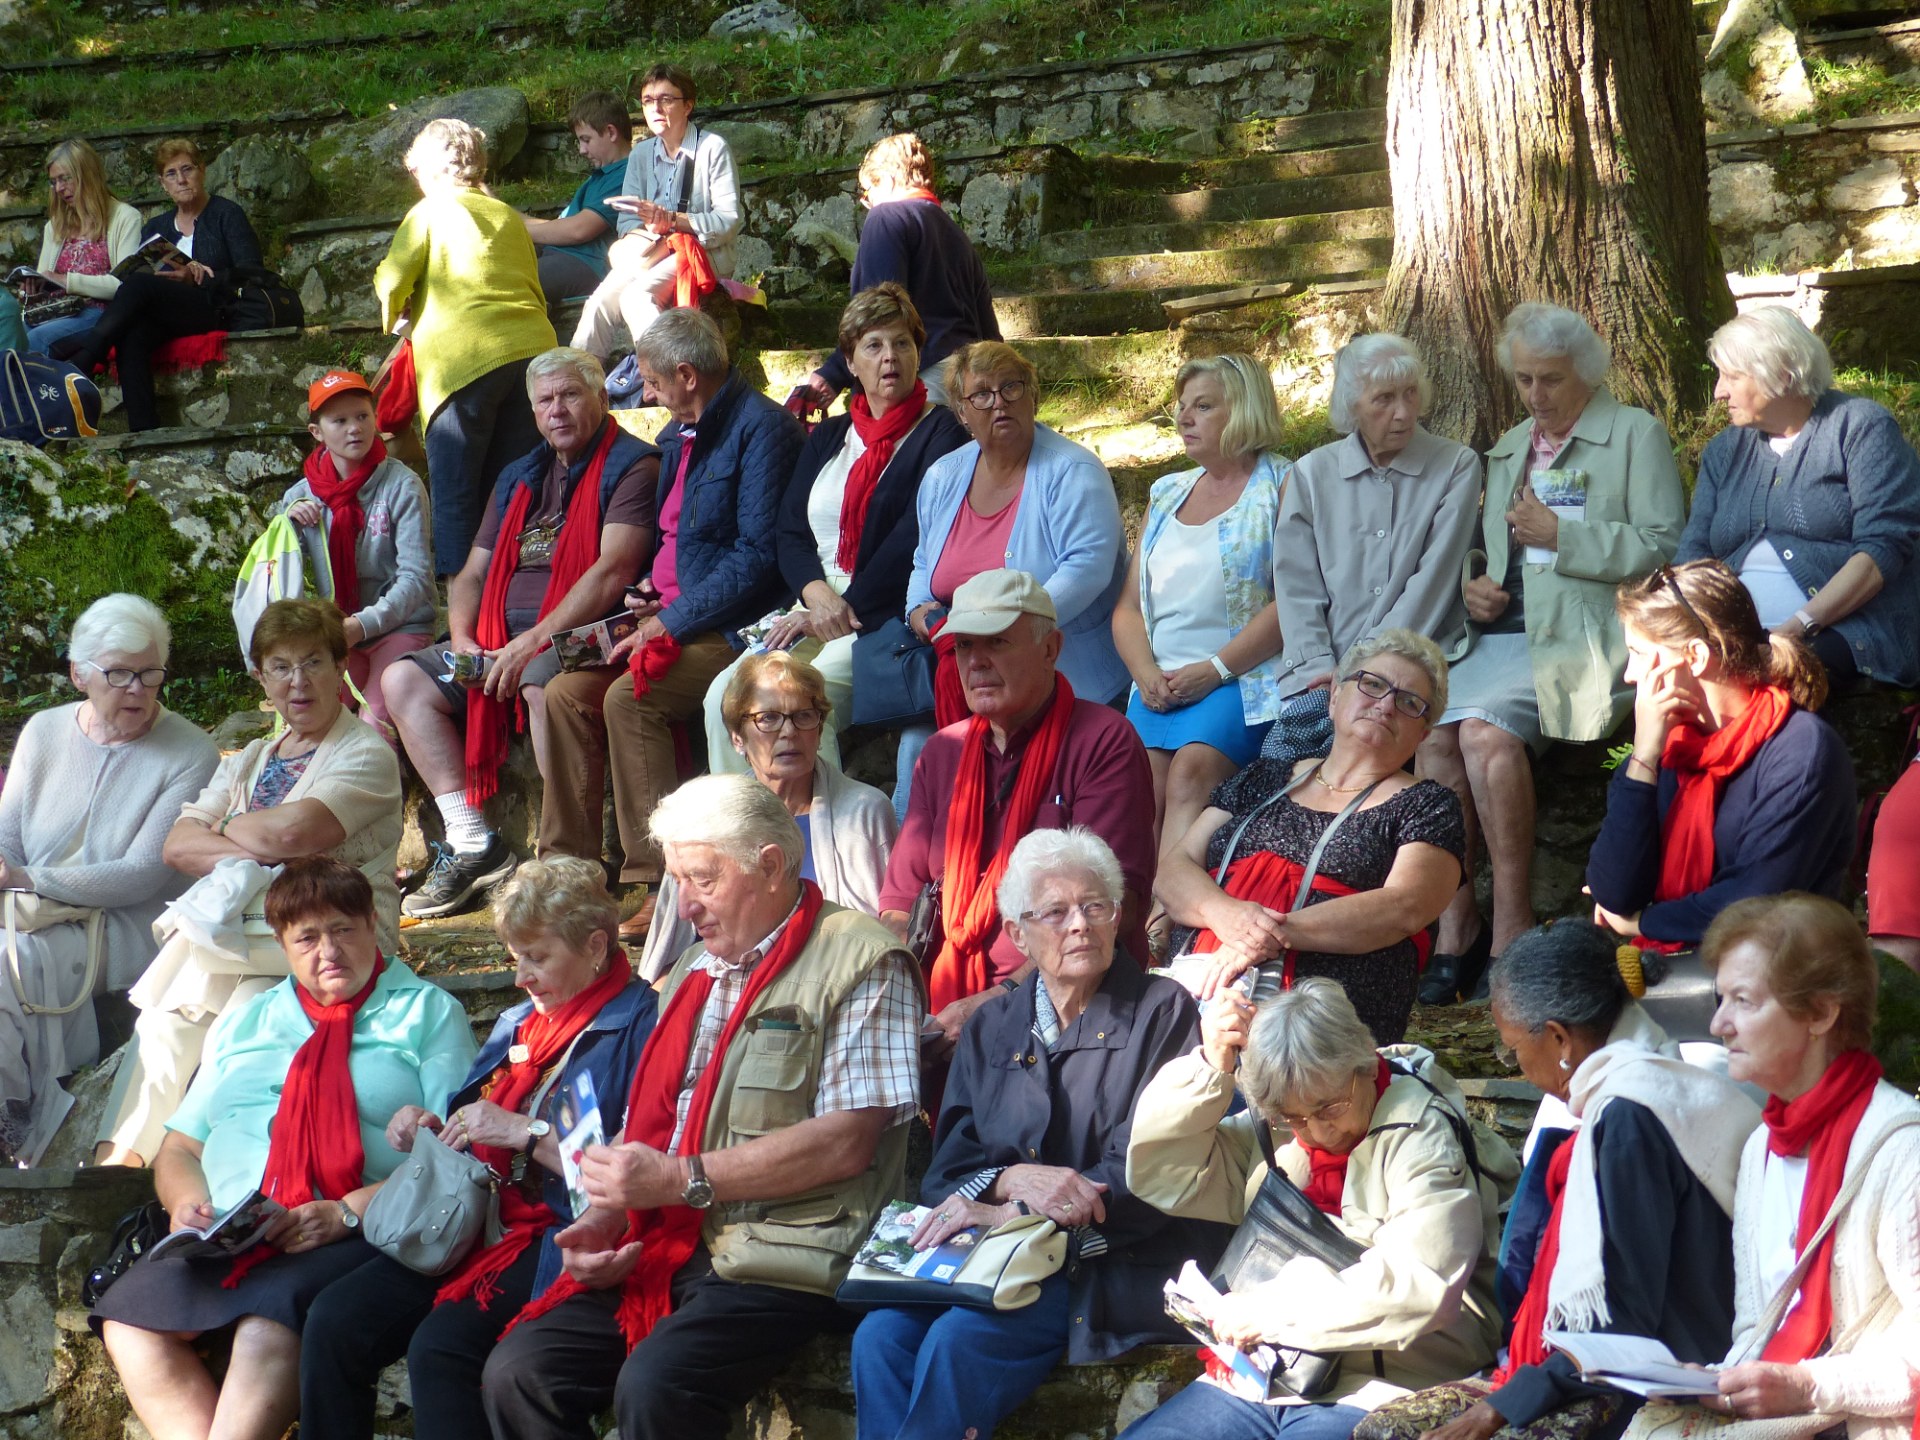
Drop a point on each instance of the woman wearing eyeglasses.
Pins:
(90, 791)
(1020, 496)
(1392, 858)
(1734, 787)
(324, 785)
(776, 711)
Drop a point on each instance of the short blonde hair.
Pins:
(452, 148)
(1368, 360)
(563, 897)
(1775, 349)
(1815, 951)
(985, 358)
(1408, 645)
(176, 147)
(1253, 415)
(779, 667)
(903, 159)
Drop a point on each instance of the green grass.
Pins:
(1858, 87)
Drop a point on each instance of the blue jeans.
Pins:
(923, 1373)
(41, 337)
(1206, 1412)
(913, 740)
(476, 433)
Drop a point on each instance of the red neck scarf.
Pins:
(315, 1152)
(573, 555)
(949, 695)
(1702, 763)
(346, 519)
(1326, 1171)
(669, 1235)
(1528, 1345)
(969, 910)
(694, 276)
(918, 192)
(881, 437)
(1819, 1125)
(539, 1041)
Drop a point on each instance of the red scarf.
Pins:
(1819, 1125)
(315, 1152)
(573, 555)
(918, 192)
(539, 1041)
(347, 521)
(694, 276)
(650, 660)
(1274, 881)
(881, 437)
(1326, 1171)
(1528, 1346)
(949, 695)
(969, 906)
(396, 398)
(668, 1236)
(1702, 763)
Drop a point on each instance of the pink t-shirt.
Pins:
(977, 543)
(666, 559)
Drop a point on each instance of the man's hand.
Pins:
(819, 390)
(1478, 1422)
(631, 1176)
(510, 662)
(591, 1252)
(1063, 1195)
(1486, 600)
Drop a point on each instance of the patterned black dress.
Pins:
(1381, 983)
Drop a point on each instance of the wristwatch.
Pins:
(1220, 668)
(348, 1218)
(699, 1191)
(1809, 626)
(537, 1130)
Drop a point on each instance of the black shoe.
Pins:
(1441, 982)
(1450, 978)
(1476, 965)
(455, 878)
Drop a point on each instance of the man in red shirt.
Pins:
(1030, 757)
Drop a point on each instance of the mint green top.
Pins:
(412, 1045)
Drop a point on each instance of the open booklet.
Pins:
(589, 645)
(1638, 1364)
(155, 253)
(890, 1246)
(1191, 1298)
(236, 1231)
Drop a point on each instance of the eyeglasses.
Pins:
(152, 678)
(1672, 582)
(1008, 394)
(1378, 687)
(57, 181)
(661, 102)
(281, 673)
(1326, 1114)
(1055, 917)
(770, 722)
(180, 172)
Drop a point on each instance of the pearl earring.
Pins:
(1565, 1066)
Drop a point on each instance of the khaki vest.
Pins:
(768, 1080)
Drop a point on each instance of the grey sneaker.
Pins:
(455, 879)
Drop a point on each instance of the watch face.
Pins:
(539, 1129)
(698, 1194)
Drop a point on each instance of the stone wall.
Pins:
(1817, 197)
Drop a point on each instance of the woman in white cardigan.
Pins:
(776, 710)
(1798, 988)
(87, 233)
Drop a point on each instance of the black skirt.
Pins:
(167, 1293)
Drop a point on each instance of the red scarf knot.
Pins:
(881, 436)
(346, 517)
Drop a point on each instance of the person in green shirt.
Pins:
(573, 245)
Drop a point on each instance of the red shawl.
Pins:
(1702, 763)
(397, 393)
(1819, 1125)
(1528, 1345)
(1274, 881)
(949, 695)
(694, 276)
(669, 1235)
(1326, 1171)
(573, 555)
(881, 437)
(539, 1042)
(346, 519)
(969, 907)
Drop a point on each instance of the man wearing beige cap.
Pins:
(1030, 757)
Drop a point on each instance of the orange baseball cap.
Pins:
(335, 382)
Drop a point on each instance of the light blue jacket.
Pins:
(1066, 534)
(1246, 563)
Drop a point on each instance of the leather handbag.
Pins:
(252, 297)
(434, 1209)
(135, 1233)
(892, 676)
(1005, 1271)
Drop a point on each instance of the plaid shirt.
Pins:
(871, 1058)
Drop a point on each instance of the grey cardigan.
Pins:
(1849, 486)
(394, 553)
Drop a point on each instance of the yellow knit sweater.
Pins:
(462, 265)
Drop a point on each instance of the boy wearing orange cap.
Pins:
(372, 513)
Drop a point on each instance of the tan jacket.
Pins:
(1423, 1295)
(1635, 511)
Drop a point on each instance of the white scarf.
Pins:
(1707, 1116)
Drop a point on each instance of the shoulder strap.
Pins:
(553, 1075)
(1462, 1125)
(1320, 847)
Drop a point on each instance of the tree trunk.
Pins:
(1551, 150)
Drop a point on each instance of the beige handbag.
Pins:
(26, 912)
(1004, 1272)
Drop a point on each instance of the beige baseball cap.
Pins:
(994, 599)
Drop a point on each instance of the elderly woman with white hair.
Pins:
(1045, 1134)
(1581, 495)
(462, 273)
(1382, 1145)
(1331, 867)
(1812, 496)
(1372, 534)
(91, 792)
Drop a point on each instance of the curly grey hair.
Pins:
(1042, 854)
(1305, 1039)
(562, 897)
(1369, 360)
(1550, 330)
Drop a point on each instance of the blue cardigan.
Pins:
(1066, 534)
(1849, 486)
(610, 1052)
(1785, 822)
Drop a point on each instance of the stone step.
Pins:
(1315, 130)
(1022, 317)
(263, 380)
(1255, 199)
(1319, 225)
(258, 461)
(1210, 269)
(1131, 173)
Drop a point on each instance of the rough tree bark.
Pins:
(1551, 150)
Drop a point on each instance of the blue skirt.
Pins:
(1217, 720)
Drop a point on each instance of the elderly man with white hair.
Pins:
(91, 792)
(1372, 534)
(1581, 495)
(765, 1130)
(570, 525)
(1812, 496)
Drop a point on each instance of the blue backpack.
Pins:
(43, 399)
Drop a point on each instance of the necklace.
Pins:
(1321, 780)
